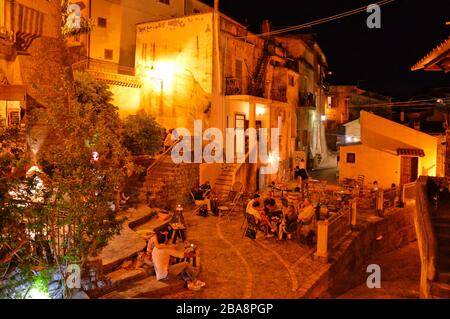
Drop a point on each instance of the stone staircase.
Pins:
(168, 184)
(224, 182)
(124, 277)
(441, 227)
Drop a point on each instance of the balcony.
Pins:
(233, 86)
(279, 94)
(307, 99)
(7, 43)
(109, 72)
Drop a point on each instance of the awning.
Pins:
(410, 152)
(13, 92)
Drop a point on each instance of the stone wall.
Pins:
(176, 186)
(348, 262)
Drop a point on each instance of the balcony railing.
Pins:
(233, 86)
(307, 99)
(279, 95)
(102, 66)
(109, 72)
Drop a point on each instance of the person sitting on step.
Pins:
(161, 259)
(202, 196)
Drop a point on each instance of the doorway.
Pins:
(409, 169)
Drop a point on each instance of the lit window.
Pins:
(291, 80)
(238, 69)
(109, 54)
(351, 158)
(101, 22)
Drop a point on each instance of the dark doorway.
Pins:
(409, 169)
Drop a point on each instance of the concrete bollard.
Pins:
(322, 241)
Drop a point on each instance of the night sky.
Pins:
(375, 59)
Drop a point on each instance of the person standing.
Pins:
(304, 176)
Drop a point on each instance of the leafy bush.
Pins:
(142, 134)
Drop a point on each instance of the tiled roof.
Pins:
(410, 152)
(439, 50)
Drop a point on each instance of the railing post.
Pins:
(353, 214)
(402, 196)
(380, 202)
(322, 241)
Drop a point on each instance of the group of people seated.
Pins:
(273, 221)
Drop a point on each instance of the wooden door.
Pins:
(409, 169)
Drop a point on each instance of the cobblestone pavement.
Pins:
(234, 266)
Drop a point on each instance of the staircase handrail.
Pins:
(159, 160)
(235, 171)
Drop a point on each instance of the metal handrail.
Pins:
(158, 161)
(240, 166)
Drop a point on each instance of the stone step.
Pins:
(440, 290)
(442, 223)
(147, 288)
(444, 277)
(443, 264)
(441, 219)
(122, 277)
(444, 237)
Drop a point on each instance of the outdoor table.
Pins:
(179, 231)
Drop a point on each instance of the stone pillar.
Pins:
(252, 114)
(322, 241)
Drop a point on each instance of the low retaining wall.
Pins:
(348, 261)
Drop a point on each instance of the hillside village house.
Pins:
(264, 83)
(166, 68)
(439, 60)
(29, 31)
(388, 153)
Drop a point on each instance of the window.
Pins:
(165, 2)
(238, 69)
(101, 22)
(291, 80)
(9, 113)
(197, 11)
(239, 121)
(144, 52)
(108, 54)
(351, 158)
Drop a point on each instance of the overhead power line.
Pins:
(316, 22)
(429, 102)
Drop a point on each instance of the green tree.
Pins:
(142, 134)
(72, 218)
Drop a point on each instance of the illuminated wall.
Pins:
(174, 63)
(376, 157)
(128, 99)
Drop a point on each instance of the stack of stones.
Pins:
(93, 280)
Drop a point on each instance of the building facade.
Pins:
(160, 57)
(388, 153)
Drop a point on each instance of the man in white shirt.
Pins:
(161, 259)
